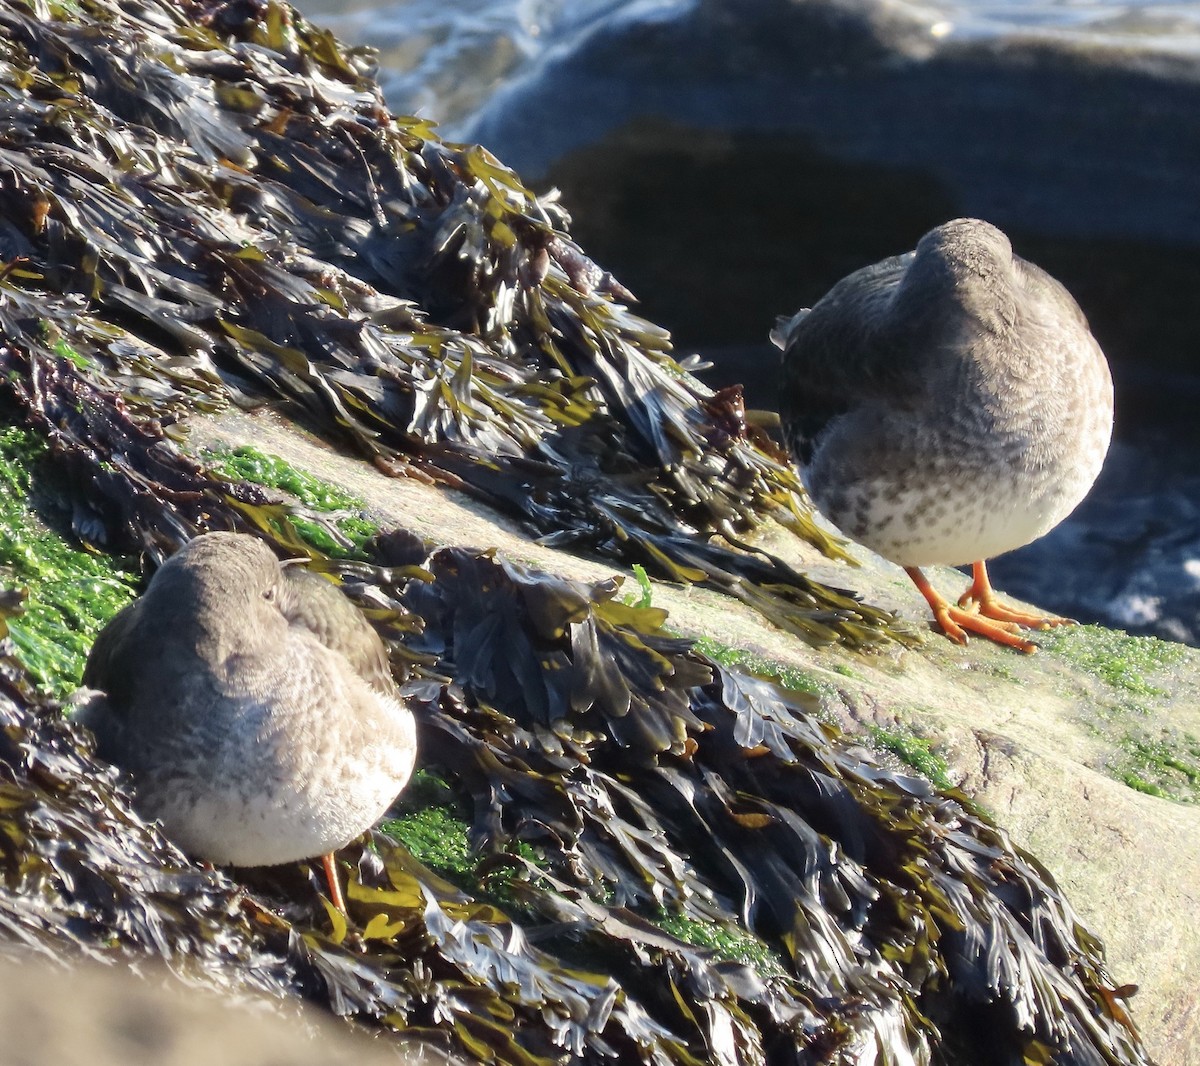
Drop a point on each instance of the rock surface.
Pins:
(113, 1016)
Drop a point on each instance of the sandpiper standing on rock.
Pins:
(253, 705)
(945, 406)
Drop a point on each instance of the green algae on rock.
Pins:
(428, 822)
(749, 662)
(249, 464)
(914, 751)
(1167, 766)
(732, 945)
(438, 839)
(67, 594)
(1135, 682)
(1125, 663)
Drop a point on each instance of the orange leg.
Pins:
(981, 597)
(955, 621)
(335, 885)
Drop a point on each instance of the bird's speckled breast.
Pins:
(981, 474)
(299, 789)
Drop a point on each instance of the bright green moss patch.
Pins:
(736, 945)
(748, 662)
(438, 838)
(913, 751)
(1131, 710)
(247, 463)
(67, 352)
(430, 826)
(70, 593)
(1168, 767)
(1119, 660)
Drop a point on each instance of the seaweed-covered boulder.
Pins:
(615, 779)
(207, 206)
(1084, 752)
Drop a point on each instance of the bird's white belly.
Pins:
(229, 824)
(949, 525)
(262, 802)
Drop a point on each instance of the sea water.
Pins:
(442, 59)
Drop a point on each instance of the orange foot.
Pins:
(981, 597)
(978, 612)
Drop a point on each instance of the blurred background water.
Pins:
(443, 59)
(729, 160)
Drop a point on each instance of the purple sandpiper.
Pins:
(253, 706)
(945, 406)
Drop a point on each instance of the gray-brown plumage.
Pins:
(945, 406)
(253, 706)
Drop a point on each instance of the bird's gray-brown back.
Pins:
(961, 329)
(162, 657)
(311, 602)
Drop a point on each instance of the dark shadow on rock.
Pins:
(720, 231)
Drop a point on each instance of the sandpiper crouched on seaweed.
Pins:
(945, 406)
(253, 705)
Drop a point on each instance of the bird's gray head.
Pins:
(230, 571)
(966, 264)
(965, 246)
